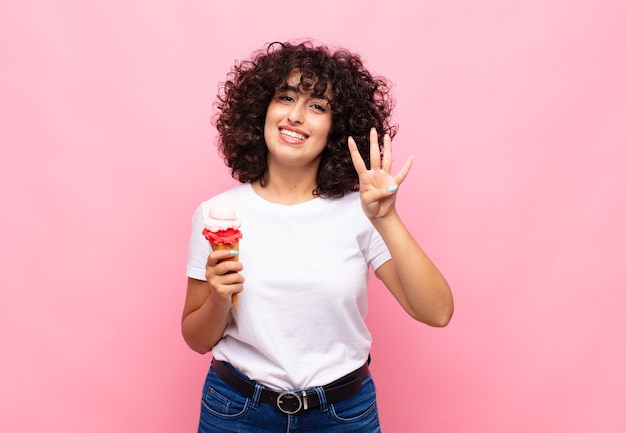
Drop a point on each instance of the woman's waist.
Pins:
(283, 369)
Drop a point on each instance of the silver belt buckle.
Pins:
(280, 402)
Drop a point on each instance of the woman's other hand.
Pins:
(377, 185)
(224, 277)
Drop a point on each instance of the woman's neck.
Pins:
(286, 189)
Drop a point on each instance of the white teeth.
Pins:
(292, 134)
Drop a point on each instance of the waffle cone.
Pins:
(220, 246)
(229, 247)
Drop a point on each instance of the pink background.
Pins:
(516, 112)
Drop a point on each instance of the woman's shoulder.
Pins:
(234, 194)
(348, 207)
(349, 200)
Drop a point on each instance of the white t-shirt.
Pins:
(300, 322)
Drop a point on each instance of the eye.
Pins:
(285, 98)
(318, 107)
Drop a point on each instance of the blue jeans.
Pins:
(224, 410)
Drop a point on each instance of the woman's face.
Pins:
(297, 125)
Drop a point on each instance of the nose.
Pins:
(296, 114)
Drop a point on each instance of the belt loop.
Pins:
(257, 395)
(322, 396)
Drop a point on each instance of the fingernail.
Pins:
(234, 252)
(392, 188)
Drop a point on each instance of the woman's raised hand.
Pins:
(377, 185)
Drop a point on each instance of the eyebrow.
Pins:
(297, 90)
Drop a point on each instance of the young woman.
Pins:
(306, 130)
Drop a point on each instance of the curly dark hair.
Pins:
(360, 101)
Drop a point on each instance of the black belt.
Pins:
(292, 402)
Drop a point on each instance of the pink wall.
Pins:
(516, 112)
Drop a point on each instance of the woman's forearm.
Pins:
(419, 285)
(204, 321)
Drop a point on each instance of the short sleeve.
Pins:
(199, 248)
(378, 253)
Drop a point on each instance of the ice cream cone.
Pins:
(235, 258)
(221, 229)
(221, 246)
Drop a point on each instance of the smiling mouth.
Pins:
(292, 134)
